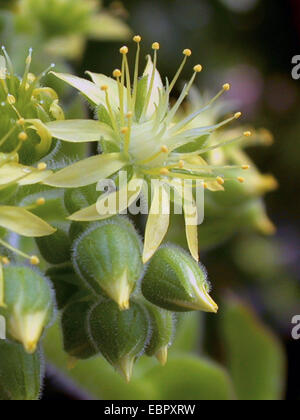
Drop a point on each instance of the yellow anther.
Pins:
(42, 166)
(5, 260)
(129, 114)
(237, 115)
(40, 201)
(11, 99)
(21, 121)
(124, 50)
(124, 130)
(226, 86)
(137, 38)
(245, 167)
(181, 164)
(205, 186)
(34, 260)
(155, 46)
(198, 68)
(22, 136)
(241, 179)
(104, 88)
(164, 171)
(31, 77)
(247, 134)
(117, 73)
(164, 149)
(187, 52)
(220, 180)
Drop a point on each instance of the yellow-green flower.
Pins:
(139, 132)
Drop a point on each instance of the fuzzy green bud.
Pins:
(20, 373)
(174, 281)
(162, 331)
(108, 257)
(75, 319)
(120, 336)
(29, 305)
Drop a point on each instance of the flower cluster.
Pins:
(139, 131)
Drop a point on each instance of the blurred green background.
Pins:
(250, 44)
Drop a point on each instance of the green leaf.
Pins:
(254, 355)
(80, 131)
(87, 171)
(23, 222)
(187, 377)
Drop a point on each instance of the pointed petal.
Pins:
(87, 171)
(80, 131)
(157, 223)
(23, 222)
(191, 228)
(87, 88)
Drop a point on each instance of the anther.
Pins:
(42, 166)
(124, 130)
(22, 136)
(245, 167)
(137, 38)
(247, 134)
(198, 68)
(181, 164)
(164, 149)
(124, 50)
(11, 99)
(241, 179)
(220, 180)
(5, 260)
(117, 73)
(226, 87)
(104, 88)
(237, 115)
(40, 201)
(164, 171)
(187, 52)
(34, 260)
(205, 186)
(155, 46)
(129, 114)
(21, 121)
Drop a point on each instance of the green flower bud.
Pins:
(20, 373)
(75, 321)
(108, 257)
(29, 305)
(66, 283)
(56, 248)
(120, 336)
(162, 331)
(174, 281)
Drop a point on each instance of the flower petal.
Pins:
(87, 171)
(157, 85)
(113, 90)
(80, 131)
(87, 88)
(23, 222)
(157, 223)
(190, 218)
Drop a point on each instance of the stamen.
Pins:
(104, 88)
(5, 260)
(23, 136)
(187, 53)
(27, 68)
(164, 171)
(155, 47)
(118, 74)
(241, 179)
(32, 258)
(163, 149)
(136, 39)
(6, 137)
